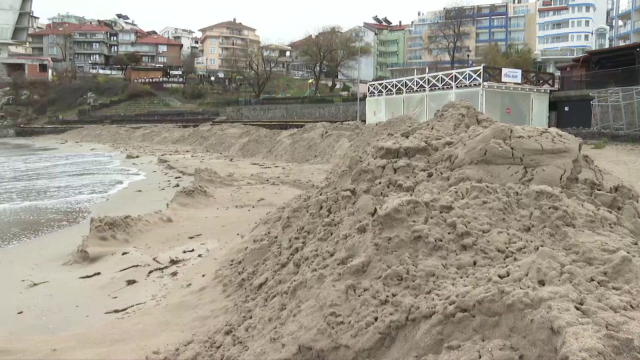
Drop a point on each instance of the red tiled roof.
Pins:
(59, 29)
(299, 42)
(230, 23)
(89, 27)
(68, 28)
(157, 39)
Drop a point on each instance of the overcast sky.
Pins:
(276, 21)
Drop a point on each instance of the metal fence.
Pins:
(623, 77)
(616, 109)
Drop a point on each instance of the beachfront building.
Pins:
(566, 29)
(190, 42)
(223, 47)
(389, 47)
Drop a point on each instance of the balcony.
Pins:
(89, 38)
(624, 28)
(625, 6)
(568, 52)
(234, 34)
(91, 50)
(388, 48)
(236, 45)
(636, 25)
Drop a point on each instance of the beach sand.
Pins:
(201, 224)
(65, 317)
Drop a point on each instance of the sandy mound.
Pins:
(211, 178)
(192, 196)
(113, 232)
(457, 239)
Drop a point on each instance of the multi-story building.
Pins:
(389, 46)
(626, 22)
(566, 28)
(522, 24)
(223, 47)
(16, 18)
(89, 45)
(364, 66)
(190, 42)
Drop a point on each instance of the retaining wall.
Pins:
(320, 112)
(6, 133)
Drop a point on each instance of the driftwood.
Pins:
(117, 311)
(130, 267)
(172, 262)
(90, 276)
(34, 284)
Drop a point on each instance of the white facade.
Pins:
(626, 22)
(190, 42)
(366, 63)
(566, 29)
(15, 17)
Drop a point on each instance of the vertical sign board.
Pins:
(512, 76)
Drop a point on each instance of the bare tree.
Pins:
(345, 54)
(316, 50)
(63, 42)
(126, 60)
(449, 35)
(189, 63)
(261, 63)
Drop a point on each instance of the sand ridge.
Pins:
(457, 239)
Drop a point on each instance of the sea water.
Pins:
(43, 189)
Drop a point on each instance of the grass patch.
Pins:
(601, 144)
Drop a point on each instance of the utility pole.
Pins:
(358, 83)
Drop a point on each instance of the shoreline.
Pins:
(66, 317)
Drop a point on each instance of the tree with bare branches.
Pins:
(347, 49)
(450, 35)
(316, 51)
(260, 65)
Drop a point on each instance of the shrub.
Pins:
(136, 91)
(193, 92)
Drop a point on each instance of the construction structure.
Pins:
(511, 96)
(616, 109)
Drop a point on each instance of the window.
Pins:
(580, 9)
(573, 23)
(579, 23)
(586, 23)
(499, 22)
(53, 50)
(212, 50)
(213, 41)
(212, 61)
(573, 38)
(587, 9)
(162, 59)
(573, 10)
(96, 35)
(43, 68)
(52, 39)
(482, 36)
(579, 37)
(95, 57)
(96, 46)
(586, 37)
(147, 59)
(162, 48)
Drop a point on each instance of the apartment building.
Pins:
(223, 47)
(190, 42)
(566, 29)
(389, 47)
(365, 65)
(84, 46)
(626, 22)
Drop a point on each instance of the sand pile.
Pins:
(457, 239)
(113, 232)
(317, 143)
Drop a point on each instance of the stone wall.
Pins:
(319, 112)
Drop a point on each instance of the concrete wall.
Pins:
(320, 112)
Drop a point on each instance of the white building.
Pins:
(626, 22)
(366, 63)
(566, 29)
(190, 42)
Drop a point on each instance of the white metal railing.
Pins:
(469, 77)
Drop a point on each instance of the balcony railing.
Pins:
(624, 28)
(629, 76)
(625, 6)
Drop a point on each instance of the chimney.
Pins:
(234, 19)
(399, 23)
